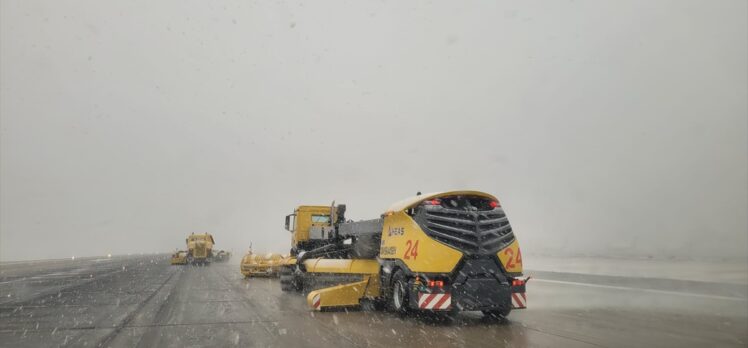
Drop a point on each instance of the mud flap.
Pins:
(519, 296)
(519, 300)
(434, 302)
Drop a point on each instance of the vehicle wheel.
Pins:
(286, 279)
(289, 280)
(398, 300)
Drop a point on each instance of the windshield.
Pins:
(320, 218)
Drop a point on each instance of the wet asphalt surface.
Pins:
(143, 301)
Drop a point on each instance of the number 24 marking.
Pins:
(411, 250)
(511, 261)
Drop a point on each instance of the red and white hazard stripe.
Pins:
(434, 301)
(316, 302)
(519, 300)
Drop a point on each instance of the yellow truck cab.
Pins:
(310, 227)
(199, 248)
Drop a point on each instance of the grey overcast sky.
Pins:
(605, 127)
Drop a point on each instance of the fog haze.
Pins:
(605, 128)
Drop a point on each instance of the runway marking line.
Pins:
(666, 292)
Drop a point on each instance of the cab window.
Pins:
(323, 219)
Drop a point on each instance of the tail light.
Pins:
(436, 283)
(494, 204)
(518, 282)
(435, 201)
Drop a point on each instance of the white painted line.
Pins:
(665, 292)
(71, 273)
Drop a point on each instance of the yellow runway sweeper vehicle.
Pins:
(256, 265)
(179, 257)
(441, 252)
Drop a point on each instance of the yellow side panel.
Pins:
(346, 266)
(302, 222)
(403, 239)
(373, 288)
(511, 258)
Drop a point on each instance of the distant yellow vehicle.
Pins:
(199, 248)
(221, 256)
(179, 258)
(254, 265)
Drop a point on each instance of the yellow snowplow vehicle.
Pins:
(179, 258)
(254, 265)
(199, 248)
(441, 252)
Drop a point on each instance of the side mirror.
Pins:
(288, 223)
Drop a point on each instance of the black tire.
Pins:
(286, 279)
(398, 299)
(289, 280)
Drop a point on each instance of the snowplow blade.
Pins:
(347, 294)
(344, 295)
